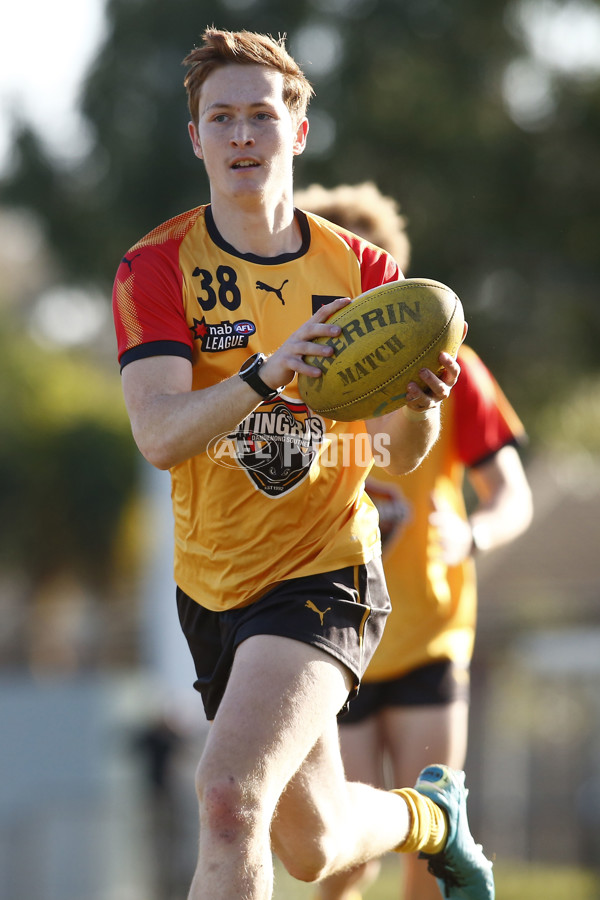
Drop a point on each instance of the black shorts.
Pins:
(436, 684)
(342, 612)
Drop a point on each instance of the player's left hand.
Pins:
(454, 534)
(438, 386)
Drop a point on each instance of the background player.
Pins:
(413, 702)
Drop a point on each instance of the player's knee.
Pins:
(227, 810)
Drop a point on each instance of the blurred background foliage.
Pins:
(489, 144)
(480, 119)
(66, 465)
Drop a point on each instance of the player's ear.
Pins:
(193, 133)
(300, 138)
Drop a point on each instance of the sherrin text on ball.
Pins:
(388, 334)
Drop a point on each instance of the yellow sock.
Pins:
(428, 827)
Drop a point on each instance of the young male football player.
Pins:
(277, 558)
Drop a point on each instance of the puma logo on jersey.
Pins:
(320, 614)
(261, 286)
(129, 261)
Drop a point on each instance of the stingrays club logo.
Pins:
(275, 445)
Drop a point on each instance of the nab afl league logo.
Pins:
(275, 445)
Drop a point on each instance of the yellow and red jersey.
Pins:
(434, 605)
(268, 501)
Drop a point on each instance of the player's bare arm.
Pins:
(413, 429)
(171, 422)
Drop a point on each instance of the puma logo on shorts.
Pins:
(320, 614)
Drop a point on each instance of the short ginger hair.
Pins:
(245, 48)
(363, 209)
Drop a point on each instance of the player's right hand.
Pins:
(288, 360)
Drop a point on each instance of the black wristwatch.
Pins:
(249, 374)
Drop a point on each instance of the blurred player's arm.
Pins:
(504, 510)
(505, 505)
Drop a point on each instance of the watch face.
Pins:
(250, 363)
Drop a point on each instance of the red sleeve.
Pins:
(147, 303)
(376, 266)
(484, 419)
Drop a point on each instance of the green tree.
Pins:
(68, 469)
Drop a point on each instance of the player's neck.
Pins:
(257, 229)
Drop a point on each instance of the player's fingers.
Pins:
(301, 367)
(310, 348)
(435, 389)
(417, 400)
(292, 355)
(296, 362)
(451, 370)
(301, 340)
(328, 309)
(437, 386)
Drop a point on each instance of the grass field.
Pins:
(514, 881)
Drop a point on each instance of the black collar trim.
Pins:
(217, 238)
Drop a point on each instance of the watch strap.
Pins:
(250, 374)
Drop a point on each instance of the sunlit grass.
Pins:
(514, 881)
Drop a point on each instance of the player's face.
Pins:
(246, 135)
